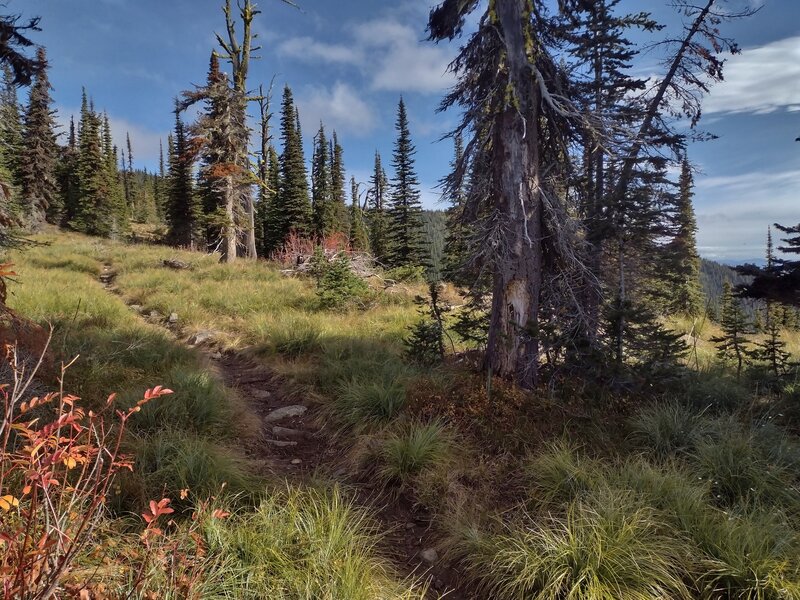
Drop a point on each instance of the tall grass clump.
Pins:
(667, 428)
(603, 548)
(309, 545)
(361, 403)
(560, 474)
(294, 338)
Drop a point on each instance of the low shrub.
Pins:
(338, 286)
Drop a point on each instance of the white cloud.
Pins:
(390, 54)
(734, 211)
(759, 80)
(307, 49)
(341, 108)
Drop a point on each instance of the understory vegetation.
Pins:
(687, 492)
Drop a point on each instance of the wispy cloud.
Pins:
(734, 211)
(341, 107)
(759, 80)
(388, 53)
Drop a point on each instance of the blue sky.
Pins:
(348, 61)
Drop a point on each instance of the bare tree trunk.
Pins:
(229, 230)
(513, 344)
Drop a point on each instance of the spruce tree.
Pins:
(359, 237)
(293, 205)
(94, 211)
(683, 261)
(732, 344)
(405, 209)
(182, 212)
(338, 196)
(67, 174)
(39, 154)
(456, 247)
(10, 130)
(159, 185)
(273, 218)
(376, 212)
(115, 195)
(322, 216)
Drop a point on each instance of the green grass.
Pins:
(667, 428)
(309, 545)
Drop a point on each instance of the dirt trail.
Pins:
(288, 443)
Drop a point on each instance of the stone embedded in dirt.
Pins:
(173, 318)
(176, 264)
(285, 412)
(261, 394)
(296, 461)
(285, 432)
(216, 356)
(201, 337)
(136, 307)
(429, 555)
(281, 443)
(155, 315)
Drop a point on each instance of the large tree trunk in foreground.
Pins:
(513, 345)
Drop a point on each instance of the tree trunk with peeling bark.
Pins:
(513, 345)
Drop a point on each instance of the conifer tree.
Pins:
(115, 195)
(94, 211)
(273, 225)
(322, 216)
(39, 153)
(732, 344)
(182, 212)
(376, 212)
(292, 204)
(359, 237)
(338, 196)
(218, 135)
(683, 266)
(67, 174)
(405, 209)
(456, 251)
(158, 185)
(10, 130)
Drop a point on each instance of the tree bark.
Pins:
(513, 344)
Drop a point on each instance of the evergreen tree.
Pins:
(39, 153)
(359, 237)
(10, 130)
(456, 250)
(273, 218)
(293, 205)
(405, 210)
(120, 214)
(67, 174)
(683, 261)
(158, 185)
(218, 135)
(94, 211)
(732, 344)
(338, 196)
(322, 208)
(376, 212)
(182, 212)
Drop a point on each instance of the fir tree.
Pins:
(322, 216)
(182, 211)
(10, 130)
(456, 251)
(376, 212)
(683, 261)
(67, 174)
(732, 344)
(405, 210)
(359, 237)
(94, 212)
(120, 214)
(273, 218)
(158, 184)
(293, 205)
(39, 153)
(338, 196)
